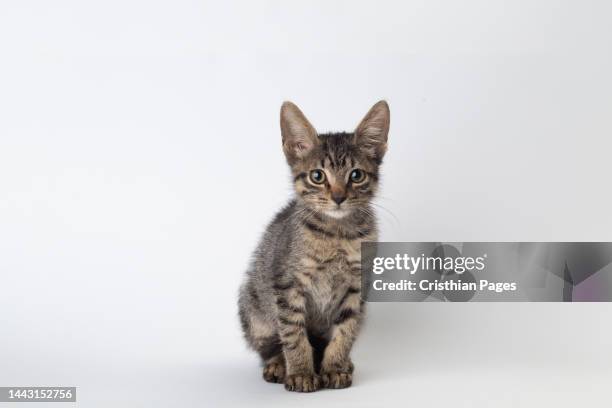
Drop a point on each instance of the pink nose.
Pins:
(338, 197)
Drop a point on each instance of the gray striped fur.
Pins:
(300, 305)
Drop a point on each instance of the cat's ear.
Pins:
(299, 136)
(371, 134)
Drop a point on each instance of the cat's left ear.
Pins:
(371, 134)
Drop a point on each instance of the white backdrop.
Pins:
(140, 160)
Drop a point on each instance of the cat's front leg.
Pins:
(300, 375)
(336, 367)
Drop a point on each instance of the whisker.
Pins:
(397, 221)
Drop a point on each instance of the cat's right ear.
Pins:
(299, 136)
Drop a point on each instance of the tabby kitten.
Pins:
(300, 307)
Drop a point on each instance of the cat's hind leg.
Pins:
(271, 352)
(274, 369)
(263, 338)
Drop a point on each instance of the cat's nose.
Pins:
(338, 198)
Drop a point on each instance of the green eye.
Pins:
(357, 176)
(317, 176)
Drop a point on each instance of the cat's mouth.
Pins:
(337, 213)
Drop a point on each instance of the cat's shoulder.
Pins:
(285, 213)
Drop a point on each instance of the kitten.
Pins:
(300, 307)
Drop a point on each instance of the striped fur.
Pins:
(300, 306)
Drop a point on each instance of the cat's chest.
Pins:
(337, 252)
(331, 269)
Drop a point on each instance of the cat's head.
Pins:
(335, 173)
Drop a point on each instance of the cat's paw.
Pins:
(337, 379)
(302, 382)
(274, 372)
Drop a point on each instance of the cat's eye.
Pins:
(317, 176)
(357, 176)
